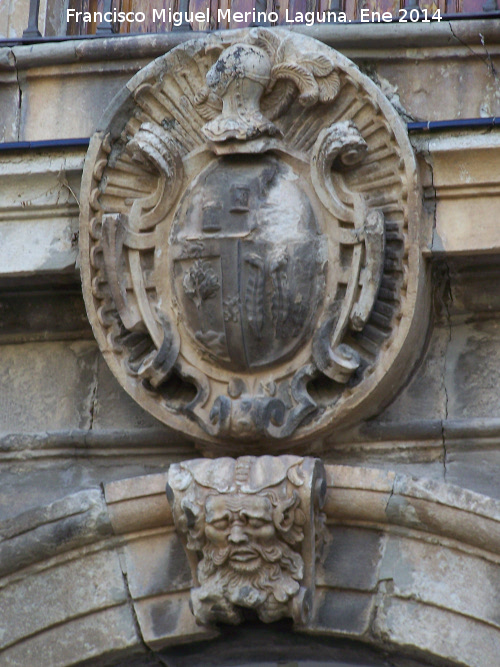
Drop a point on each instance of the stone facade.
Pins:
(95, 566)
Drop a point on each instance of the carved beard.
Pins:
(267, 588)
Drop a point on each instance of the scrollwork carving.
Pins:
(248, 219)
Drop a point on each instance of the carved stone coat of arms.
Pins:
(249, 241)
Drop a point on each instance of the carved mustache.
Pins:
(220, 555)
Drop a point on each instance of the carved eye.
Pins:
(220, 524)
(256, 523)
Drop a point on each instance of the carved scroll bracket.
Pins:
(253, 530)
(337, 148)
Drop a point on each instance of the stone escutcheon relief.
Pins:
(253, 530)
(249, 242)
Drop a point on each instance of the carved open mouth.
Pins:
(244, 555)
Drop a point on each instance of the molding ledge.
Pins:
(466, 189)
(81, 76)
(39, 202)
(407, 556)
(466, 434)
(394, 36)
(39, 211)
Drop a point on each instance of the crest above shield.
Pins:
(250, 242)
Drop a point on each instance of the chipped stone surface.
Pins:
(467, 190)
(13, 18)
(115, 409)
(81, 99)
(425, 394)
(60, 477)
(460, 640)
(442, 577)
(111, 630)
(167, 619)
(394, 594)
(447, 82)
(471, 465)
(41, 246)
(46, 371)
(353, 556)
(473, 370)
(39, 211)
(427, 85)
(83, 586)
(44, 532)
(412, 567)
(9, 108)
(156, 565)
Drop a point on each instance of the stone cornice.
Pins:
(402, 438)
(38, 201)
(39, 210)
(466, 190)
(358, 37)
(35, 72)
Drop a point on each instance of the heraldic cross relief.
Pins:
(247, 245)
(251, 269)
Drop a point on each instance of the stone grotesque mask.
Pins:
(251, 527)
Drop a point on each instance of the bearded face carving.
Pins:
(247, 560)
(253, 520)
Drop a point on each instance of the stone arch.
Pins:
(100, 576)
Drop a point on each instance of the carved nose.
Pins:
(237, 535)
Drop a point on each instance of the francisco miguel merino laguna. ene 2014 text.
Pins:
(177, 18)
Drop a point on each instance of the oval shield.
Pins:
(246, 247)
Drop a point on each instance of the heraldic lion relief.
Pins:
(249, 242)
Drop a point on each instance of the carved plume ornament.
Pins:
(253, 530)
(249, 244)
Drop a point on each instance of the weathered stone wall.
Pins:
(67, 425)
(415, 564)
(437, 71)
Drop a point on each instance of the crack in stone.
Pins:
(149, 652)
(390, 91)
(93, 397)
(133, 610)
(486, 59)
(445, 388)
(20, 96)
(63, 182)
(447, 298)
(390, 498)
